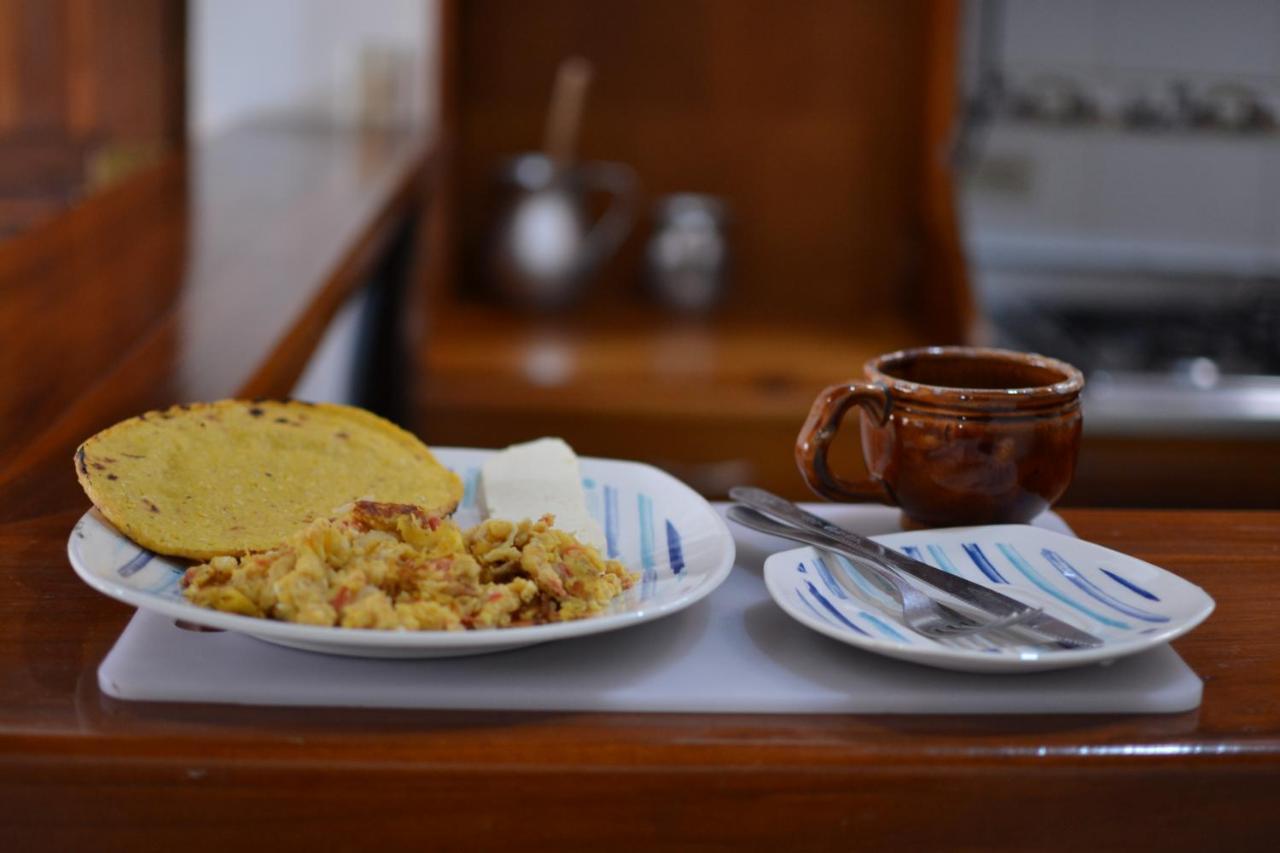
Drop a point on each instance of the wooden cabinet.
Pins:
(822, 125)
(716, 404)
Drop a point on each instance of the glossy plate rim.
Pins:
(972, 660)
(345, 641)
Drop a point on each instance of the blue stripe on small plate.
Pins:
(1130, 585)
(1095, 592)
(831, 608)
(860, 581)
(824, 572)
(885, 627)
(943, 561)
(980, 560)
(1023, 566)
(812, 609)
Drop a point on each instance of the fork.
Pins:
(920, 612)
(925, 614)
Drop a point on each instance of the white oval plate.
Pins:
(1131, 605)
(655, 525)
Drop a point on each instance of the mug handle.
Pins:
(607, 234)
(820, 429)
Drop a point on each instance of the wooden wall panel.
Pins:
(808, 117)
(89, 91)
(36, 89)
(824, 124)
(93, 67)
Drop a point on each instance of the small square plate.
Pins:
(1130, 604)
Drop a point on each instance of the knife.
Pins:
(888, 581)
(975, 595)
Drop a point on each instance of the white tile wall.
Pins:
(1237, 37)
(1052, 33)
(300, 57)
(1174, 192)
(1054, 163)
(1198, 189)
(1206, 36)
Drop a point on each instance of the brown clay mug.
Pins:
(953, 435)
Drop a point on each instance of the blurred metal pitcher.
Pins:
(544, 247)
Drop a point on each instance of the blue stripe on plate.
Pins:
(1023, 566)
(865, 587)
(831, 608)
(1130, 585)
(860, 581)
(980, 560)
(644, 506)
(812, 609)
(168, 584)
(135, 563)
(885, 627)
(824, 572)
(675, 552)
(1091, 589)
(944, 562)
(470, 480)
(913, 552)
(595, 502)
(611, 521)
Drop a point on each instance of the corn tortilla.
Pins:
(235, 476)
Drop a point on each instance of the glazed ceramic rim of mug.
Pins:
(1061, 391)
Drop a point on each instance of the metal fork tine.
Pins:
(957, 624)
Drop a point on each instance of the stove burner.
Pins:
(1178, 340)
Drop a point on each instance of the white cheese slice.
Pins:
(535, 478)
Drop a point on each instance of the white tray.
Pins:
(732, 652)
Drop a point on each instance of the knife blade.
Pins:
(973, 594)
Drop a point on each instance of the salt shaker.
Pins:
(688, 255)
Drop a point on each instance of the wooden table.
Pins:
(81, 771)
(77, 766)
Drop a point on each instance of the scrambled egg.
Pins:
(385, 565)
